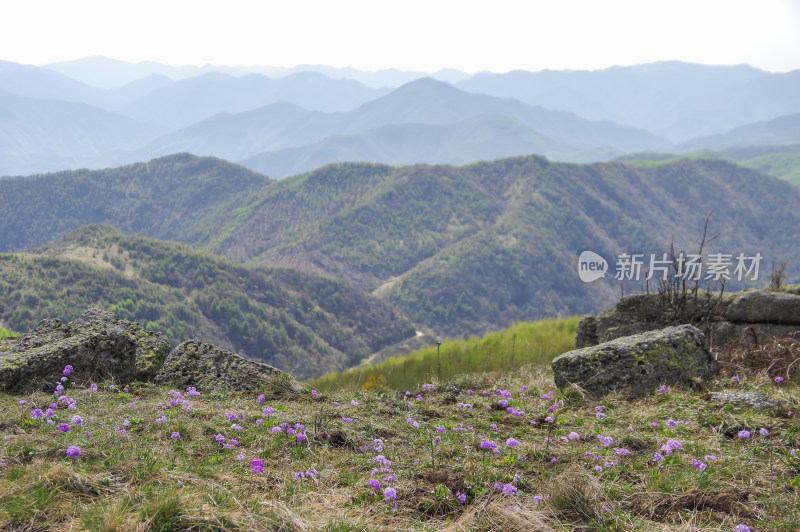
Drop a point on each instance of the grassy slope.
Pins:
(132, 474)
(524, 343)
(784, 166)
(781, 165)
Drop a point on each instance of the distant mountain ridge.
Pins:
(426, 101)
(37, 135)
(670, 98)
(109, 73)
(239, 113)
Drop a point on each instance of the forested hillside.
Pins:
(472, 248)
(162, 198)
(459, 250)
(293, 320)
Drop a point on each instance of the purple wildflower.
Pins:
(257, 466)
(607, 441)
(509, 490)
(63, 427)
(488, 444)
(175, 435)
(511, 442)
(374, 484)
(67, 370)
(73, 451)
(462, 498)
(743, 434)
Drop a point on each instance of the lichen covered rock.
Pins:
(208, 367)
(98, 345)
(36, 360)
(637, 364)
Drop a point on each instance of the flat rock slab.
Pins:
(760, 306)
(210, 368)
(753, 400)
(637, 364)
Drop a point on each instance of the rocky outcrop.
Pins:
(208, 367)
(748, 315)
(151, 347)
(98, 346)
(637, 364)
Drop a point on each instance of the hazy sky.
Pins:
(497, 35)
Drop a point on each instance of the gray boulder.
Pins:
(98, 346)
(207, 367)
(637, 364)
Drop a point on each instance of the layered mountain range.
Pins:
(284, 122)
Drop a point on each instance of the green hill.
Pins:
(163, 198)
(292, 320)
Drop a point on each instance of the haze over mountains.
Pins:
(283, 121)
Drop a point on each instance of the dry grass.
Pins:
(142, 479)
